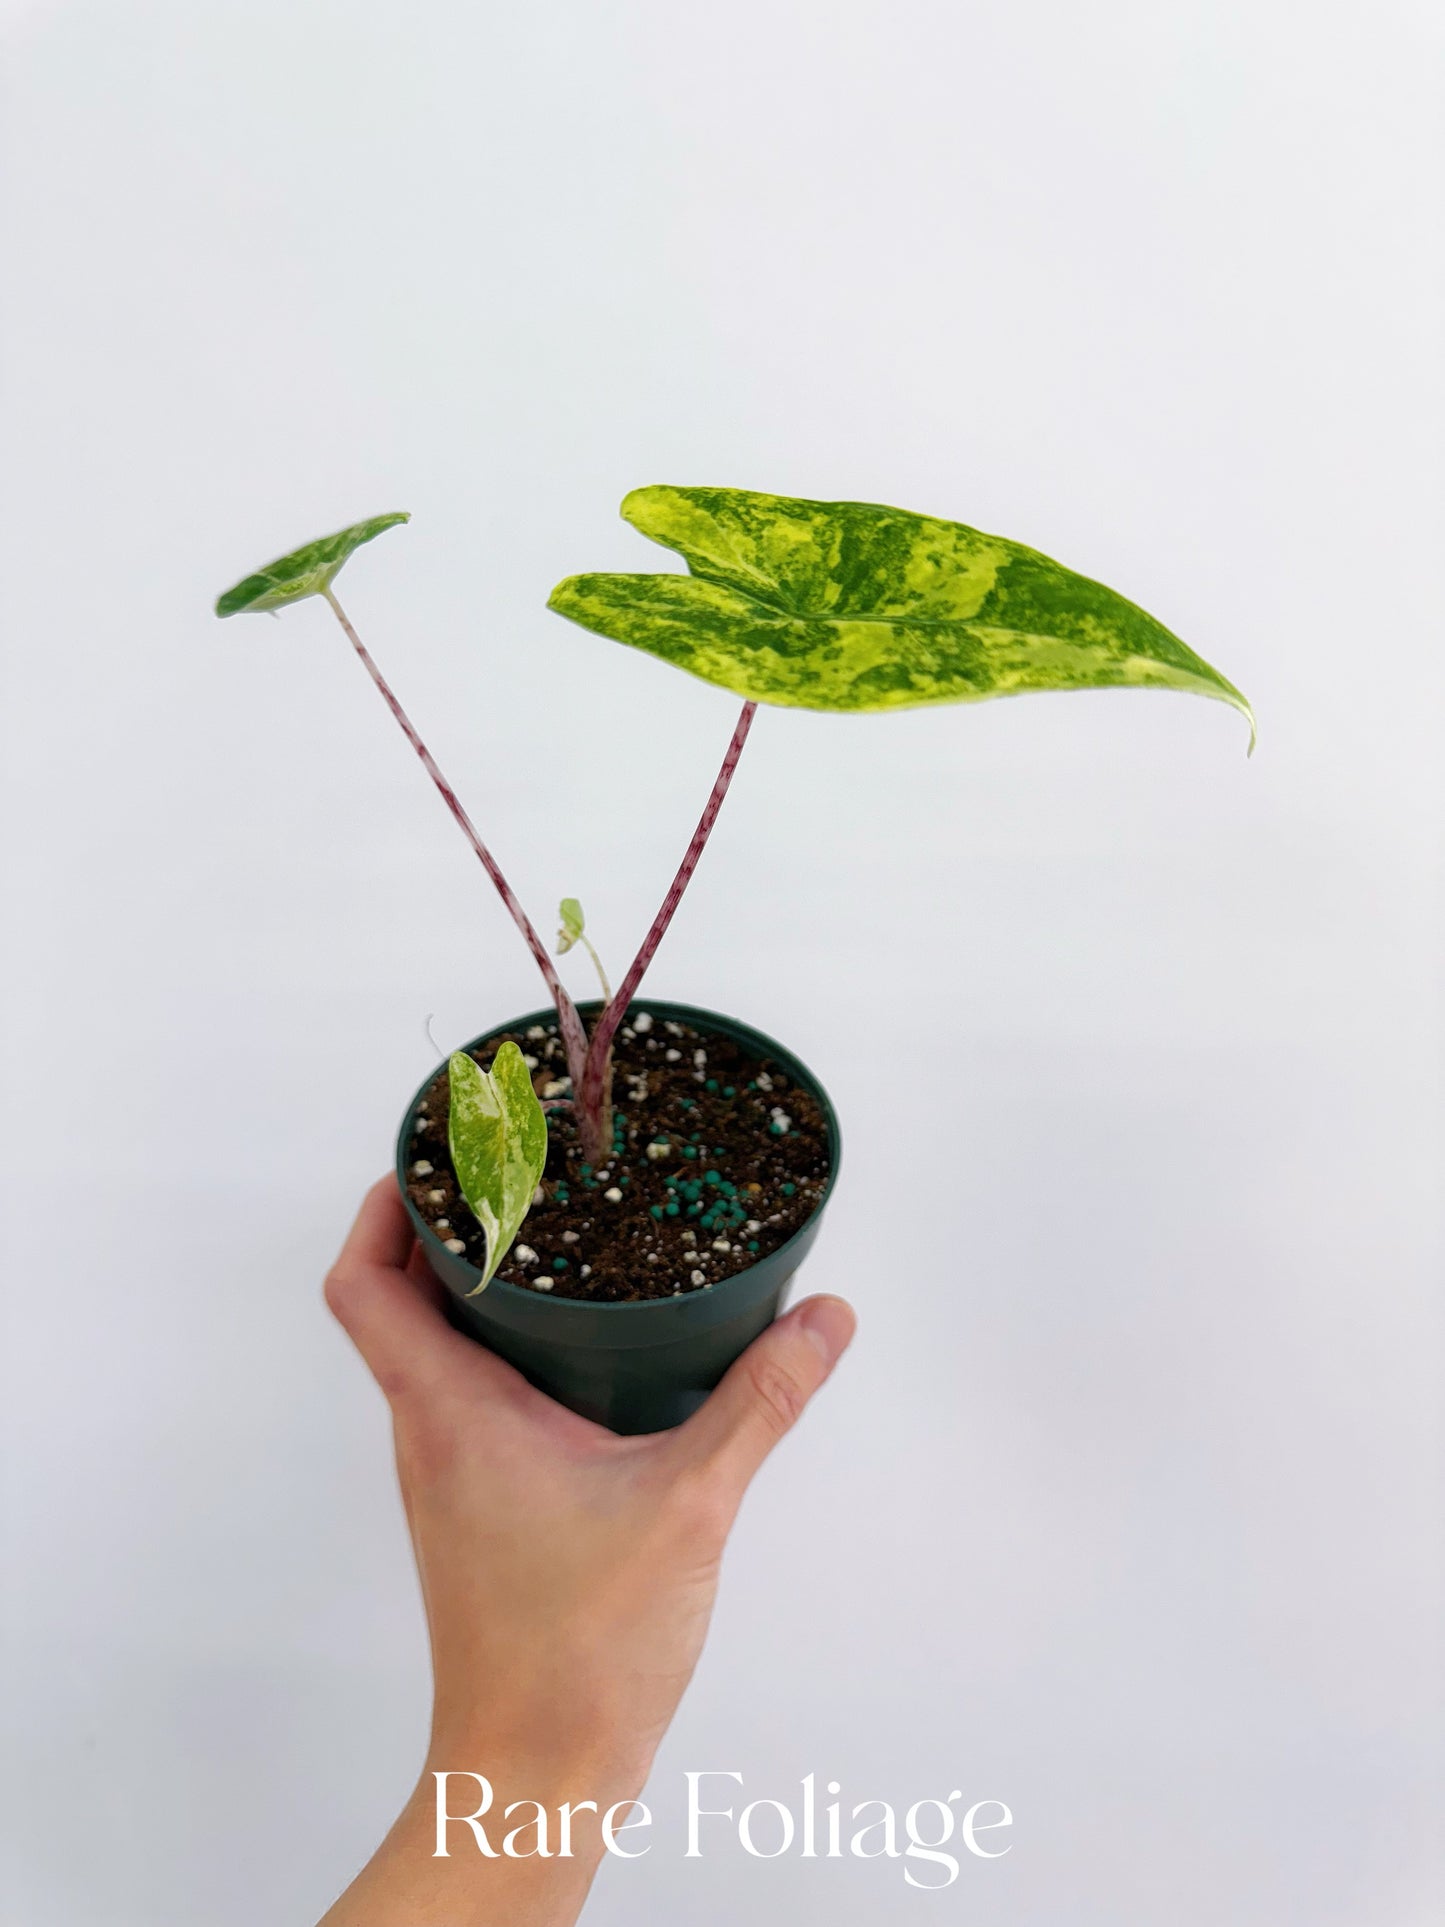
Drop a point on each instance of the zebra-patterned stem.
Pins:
(574, 1037)
(593, 1091)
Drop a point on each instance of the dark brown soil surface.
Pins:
(717, 1160)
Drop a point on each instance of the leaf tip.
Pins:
(237, 597)
(562, 594)
(636, 500)
(1238, 700)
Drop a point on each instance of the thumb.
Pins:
(765, 1392)
(384, 1298)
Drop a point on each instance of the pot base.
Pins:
(629, 1389)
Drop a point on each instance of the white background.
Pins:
(1126, 1507)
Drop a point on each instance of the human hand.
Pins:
(568, 1574)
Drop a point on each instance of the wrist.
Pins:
(535, 1757)
(477, 1868)
(563, 1730)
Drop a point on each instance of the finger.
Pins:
(388, 1309)
(382, 1233)
(424, 1278)
(767, 1390)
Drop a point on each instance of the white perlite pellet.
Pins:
(525, 1255)
(530, 1062)
(535, 1034)
(571, 1237)
(753, 1224)
(674, 1056)
(699, 1058)
(442, 1224)
(539, 1196)
(721, 1244)
(763, 1081)
(456, 1245)
(541, 1284)
(436, 1197)
(557, 1087)
(421, 1169)
(642, 1023)
(676, 1029)
(613, 1195)
(699, 1277)
(586, 1272)
(628, 1033)
(656, 1151)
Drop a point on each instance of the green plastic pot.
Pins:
(643, 1366)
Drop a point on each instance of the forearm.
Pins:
(567, 1575)
(538, 1735)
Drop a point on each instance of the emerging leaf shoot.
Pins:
(572, 930)
(853, 606)
(498, 1136)
(569, 910)
(305, 572)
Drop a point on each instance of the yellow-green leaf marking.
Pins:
(305, 571)
(497, 1131)
(853, 606)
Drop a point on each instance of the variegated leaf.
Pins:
(306, 571)
(497, 1132)
(853, 606)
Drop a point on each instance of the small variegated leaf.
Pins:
(304, 572)
(497, 1132)
(853, 606)
(573, 923)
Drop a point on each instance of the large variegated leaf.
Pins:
(306, 571)
(498, 1136)
(851, 606)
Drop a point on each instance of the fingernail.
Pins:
(829, 1324)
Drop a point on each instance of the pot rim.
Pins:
(702, 1019)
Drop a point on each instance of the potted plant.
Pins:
(670, 1165)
